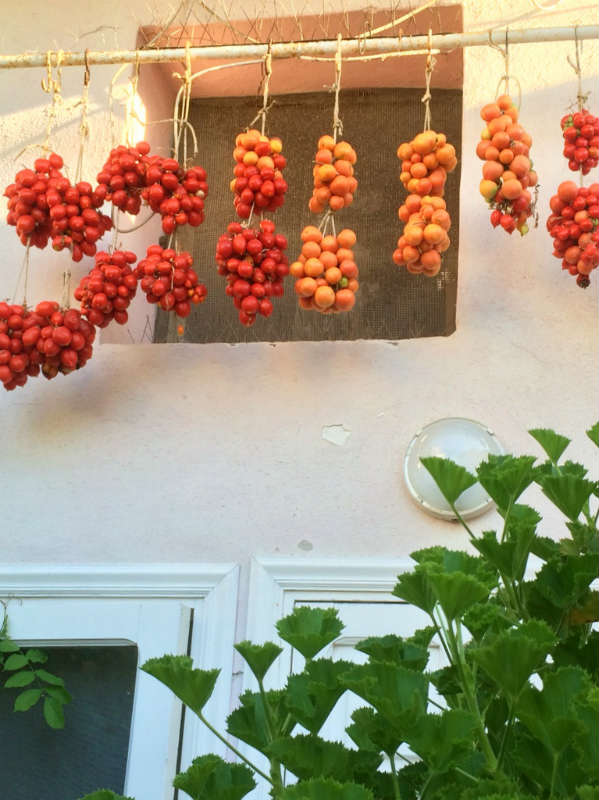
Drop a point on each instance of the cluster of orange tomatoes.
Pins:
(425, 162)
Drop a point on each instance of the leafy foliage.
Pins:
(515, 715)
(41, 683)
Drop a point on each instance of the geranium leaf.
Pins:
(248, 722)
(18, 679)
(396, 650)
(325, 789)
(486, 617)
(567, 491)
(442, 739)
(451, 478)
(312, 757)
(564, 580)
(53, 713)
(513, 655)
(372, 731)
(25, 700)
(211, 778)
(552, 443)
(455, 591)
(312, 694)
(506, 477)
(193, 686)
(414, 588)
(593, 434)
(259, 657)
(396, 692)
(309, 630)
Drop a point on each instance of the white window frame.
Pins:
(150, 605)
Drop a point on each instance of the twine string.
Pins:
(83, 125)
(337, 123)
(504, 80)
(52, 85)
(24, 269)
(181, 125)
(581, 97)
(428, 75)
(131, 115)
(66, 289)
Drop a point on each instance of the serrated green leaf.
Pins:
(15, 661)
(550, 714)
(456, 561)
(259, 657)
(325, 789)
(505, 477)
(411, 779)
(395, 649)
(372, 732)
(447, 682)
(593, 434)
(512, 656)
(58, 693)
(567, 491)
(25, 700)
(8, 646)
(552, 443)
(104, 794)
(193, 686)
(442, 739)
(309, 630)
(586, 793)
(211, 778)
(312, 757)
(414, 588)
(584, 538)
(454, 591)
(486, 617)
(571, 652)
(53, 713)
(23, 678)
(312, 694)
(36, 656)
(396, 692)
(544, 547)
(564, 581)
(48, 677)
(249, 722)
(451, 478)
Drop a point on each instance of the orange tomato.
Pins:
(311, 234)
(333, 275)
(324, 297)
(311, 249)
(326, 143)
(345, 299)
(346, 238)
(313, 268)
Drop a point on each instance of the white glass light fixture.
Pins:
(462, 440)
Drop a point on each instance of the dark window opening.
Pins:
(391, 303)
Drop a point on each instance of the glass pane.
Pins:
(38, 763)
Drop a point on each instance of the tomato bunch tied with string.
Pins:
(334, 181)
(326, 274)
(581, 140)
(168, 279)
(258, 184)
(508, 174)
(425, 163)
(574, 227)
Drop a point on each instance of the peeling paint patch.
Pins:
(305, 545)
(336, 434)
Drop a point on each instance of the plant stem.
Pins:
(275, 767)
(462, 521)
(234, 749)
(553, 776)
(396, 791)
(467, 775)
(505, 737)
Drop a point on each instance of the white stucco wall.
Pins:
(215, 452)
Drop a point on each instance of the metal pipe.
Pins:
(349, 47)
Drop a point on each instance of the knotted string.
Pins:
(428, 75)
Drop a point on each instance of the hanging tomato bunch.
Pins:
(47, 338)
(507, 172)
(258, 183)
(425, 163)
(581, 140)
(326, 273)
(573, 225)
(254, 263)
(167, 278)
(43, 205)
(334, 181)
(106, 291)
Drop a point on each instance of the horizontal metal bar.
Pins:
(349, 47)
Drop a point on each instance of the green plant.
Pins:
(518, 717)
(35, 682)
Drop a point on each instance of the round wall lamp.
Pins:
(462, 440)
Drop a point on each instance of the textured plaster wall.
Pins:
(215, 452)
